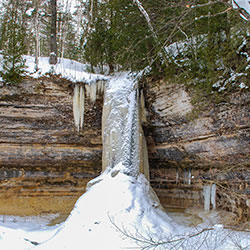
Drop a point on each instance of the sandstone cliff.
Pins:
(45, 163)
(188, 152)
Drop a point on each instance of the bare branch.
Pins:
(217, 14)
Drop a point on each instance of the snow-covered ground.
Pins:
(66, 68)
(117, 213)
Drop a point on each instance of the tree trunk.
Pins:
(53, 44)
(37, 43)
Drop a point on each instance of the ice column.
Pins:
(124, 143)
(78, 106)
(209, 193)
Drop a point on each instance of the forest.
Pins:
(202, 43)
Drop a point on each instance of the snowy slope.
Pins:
(66, 68)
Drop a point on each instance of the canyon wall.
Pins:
(192, 146)
(45, 163)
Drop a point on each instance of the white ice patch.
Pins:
(78, 106)
(91, 91)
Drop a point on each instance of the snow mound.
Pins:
(66, 68)
(112, 207)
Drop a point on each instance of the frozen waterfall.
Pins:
(121, 197)
(123, 112)
(122, 134)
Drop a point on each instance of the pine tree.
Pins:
(13, 46)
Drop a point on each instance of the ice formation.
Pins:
(92, 90)
(78, 106)
(121, 197)
(120, 210)
(209, 193)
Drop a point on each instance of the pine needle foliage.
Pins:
(199, 42)
(13, 46)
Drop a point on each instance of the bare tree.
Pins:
(37, 34)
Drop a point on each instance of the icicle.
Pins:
(78, 106)
(81, 106)
(209, 193)
(213, 196)
(206, 193)
(143, 109)
(189, 176)
(91, 91)
(100, 87)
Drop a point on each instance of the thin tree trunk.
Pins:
(65, 21)
(37, 43)
(53, 44)
(151, 28)
(78, 25)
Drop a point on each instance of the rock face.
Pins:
(45, 163)
(187, 154)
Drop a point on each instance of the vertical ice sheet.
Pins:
(123, 139)
(207, 195)
(78, 106)
(91, 91)
(78, 100)
(213, 196)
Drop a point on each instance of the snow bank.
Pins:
(113, 205)
(66, 68)
(119, 213)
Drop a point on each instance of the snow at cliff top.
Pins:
(66, 68)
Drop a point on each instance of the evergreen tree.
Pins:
(13, 46)
(119, 36)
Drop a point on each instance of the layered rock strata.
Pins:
(44, 162)
(188, 152)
